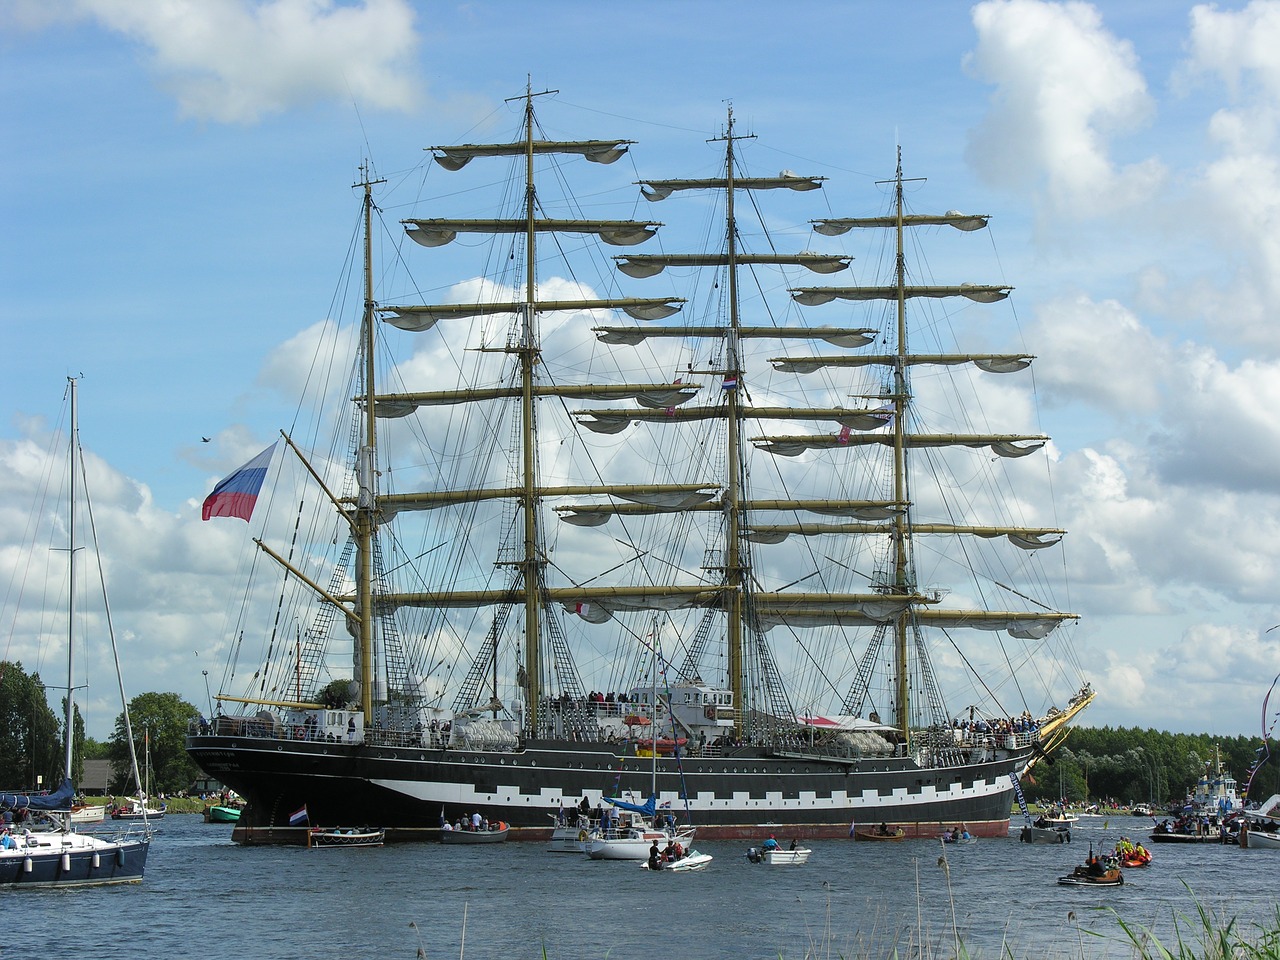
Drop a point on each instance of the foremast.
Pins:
(913, 604)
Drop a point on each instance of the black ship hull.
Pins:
(731, 796)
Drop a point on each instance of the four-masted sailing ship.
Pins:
(706, 536)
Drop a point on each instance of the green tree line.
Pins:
(1129, 765)
(32, 750)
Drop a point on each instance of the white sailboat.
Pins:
(634, 836)
(139, 807)
(61, 857)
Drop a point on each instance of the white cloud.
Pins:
(1241, 187)
(1220, 424)
(1138, 684)
(236, 61)
(1064, 85)
(1100, 354)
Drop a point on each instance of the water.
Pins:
(204, 896)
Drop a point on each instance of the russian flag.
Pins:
(236, 495)
(298, 816)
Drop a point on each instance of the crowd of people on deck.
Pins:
(998, 726)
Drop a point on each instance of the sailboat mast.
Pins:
(733, 573)
(902, 557)
(528, 498)
(71, 604)
(366, 471)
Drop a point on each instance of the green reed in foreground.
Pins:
(1203, 937)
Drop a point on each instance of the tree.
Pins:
(335, 695)
(30, 736)
(160, 722)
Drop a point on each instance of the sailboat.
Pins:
(631, 833)
(139, 808)
(61, 857)
(560, 458)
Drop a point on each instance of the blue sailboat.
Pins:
(61, 857)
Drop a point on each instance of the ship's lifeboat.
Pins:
(665, 746)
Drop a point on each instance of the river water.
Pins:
(204, 896)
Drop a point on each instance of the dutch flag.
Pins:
(298, 816)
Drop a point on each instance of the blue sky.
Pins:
(176, 200)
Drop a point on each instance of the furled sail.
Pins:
(836, 336)
(657, 395)
(1003, 445)
(650, 265)
(987, 362)
(418, 319)
(978, 292)
(618, 233)
(952, 218)
(597, 151)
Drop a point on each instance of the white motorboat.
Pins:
(779, 857)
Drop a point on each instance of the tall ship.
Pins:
(714, 523)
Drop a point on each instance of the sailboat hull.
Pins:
(730, 796)
(73, 860)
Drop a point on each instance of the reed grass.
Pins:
(1202, 936)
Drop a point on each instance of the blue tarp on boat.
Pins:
(648, 808)
(60, 799)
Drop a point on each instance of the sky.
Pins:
(176, 198)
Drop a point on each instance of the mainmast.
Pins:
(903, 575)
(366, 472)
(528, 347)
(736, 573)
(73, 455)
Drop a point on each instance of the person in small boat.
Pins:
(884, 829)
(962, 833)
(793, 844)
(655, 856)
(1041, 823)
(949, 836)
(770, 844)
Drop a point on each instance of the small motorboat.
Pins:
(779, 857)
(881, 832)
(345, 837)
(1035, 834)
(136, 809)
(1082, 877)
(496, 833)
(222, 813)
(959, 835)
(88, 813)
(1131, 856)
(1101, 871)
(693, 860)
